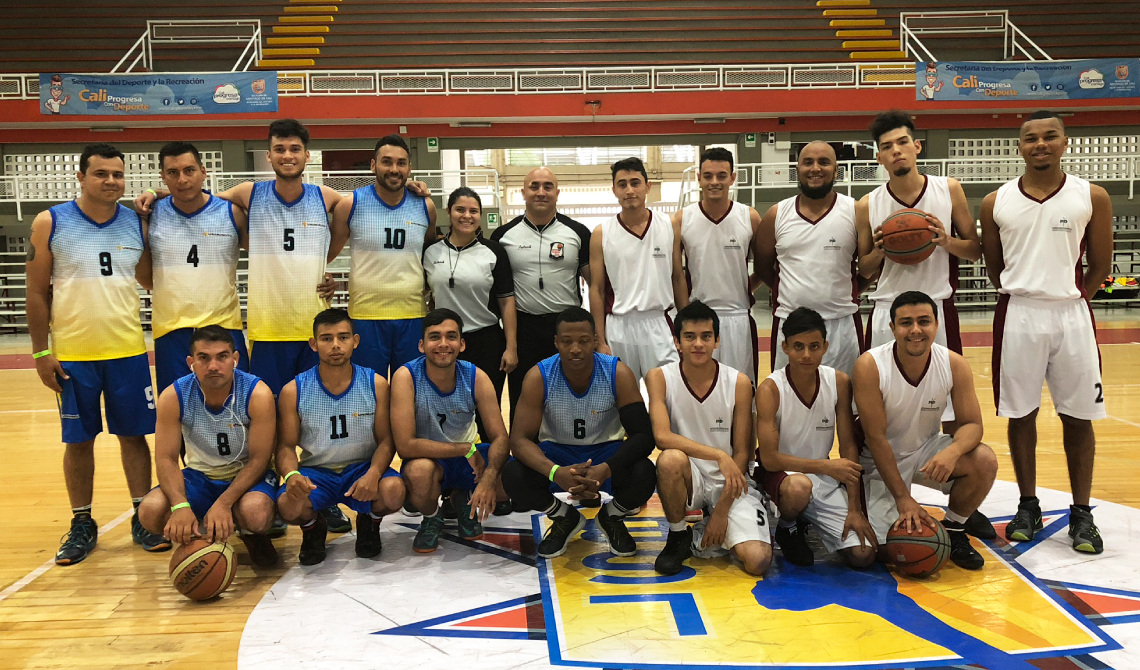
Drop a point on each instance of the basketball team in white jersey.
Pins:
(669, 305)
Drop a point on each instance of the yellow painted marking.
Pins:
(292, 51)
(864, 33)
(296, 30)
(880, 55)
(294, 40)
(305, 19)
(870, 44)
(850, 12)
(308, 9)
(286, 62)
(856, 23)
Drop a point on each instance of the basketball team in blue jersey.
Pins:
(314, 416)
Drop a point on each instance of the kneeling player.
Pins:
(901, 389)
(581, 427)
(799, 410)
(226, 418)
(337, 413)
(702, 421)
(434, 401)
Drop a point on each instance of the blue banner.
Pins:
(151, 94)
(1028, 80)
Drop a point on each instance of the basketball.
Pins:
(200, 570)
(907, 238)
(920, 554)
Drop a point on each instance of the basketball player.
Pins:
(194, 240)
(337, 413)
(549, 253)
(800, 408)
(81, 270)
(1035, 229)
(582, 428)
(434, 401)
(901, 390)
(636, 276)
(716, 235)
(806, 251)
(389, 227)
(702, 421)
(226, 419)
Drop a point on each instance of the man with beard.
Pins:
(388, 225)
(1035, 229)
(716, 235)
(549, 254)
(805, 250)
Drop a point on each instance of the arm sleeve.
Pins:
(503, 281)
(639, 441)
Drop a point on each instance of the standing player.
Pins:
(226, 420)
(434, 401)
(582, 427)
(388, 226)
(1035, 229)
(81, 268)
(716, 235)
(194, 240)
(702, 421)
(800, 408)
(636, 276)
(901, 390)
(806, 251)
(337, 413)
(549, 254)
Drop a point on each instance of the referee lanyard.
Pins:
(454, 264)
(541, 247)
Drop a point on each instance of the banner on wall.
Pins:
(1028, 80)
(154, 94)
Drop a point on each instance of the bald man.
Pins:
(549, 253)
(806, 250)
(716, 234)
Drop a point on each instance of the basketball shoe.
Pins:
(1026, 522)
(1083, 531)
(149, 541)
(78, 542)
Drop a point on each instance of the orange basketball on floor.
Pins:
(920, 554)
(906, 237)
(200, 570)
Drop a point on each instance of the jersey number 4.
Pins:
(192, 257)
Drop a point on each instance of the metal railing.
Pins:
(20, 189)
(913, 24)
(752, 178)
(194, 31)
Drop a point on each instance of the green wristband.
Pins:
(472, 450)
(181, 505)
(152, 192)
(285, 479)
(41, 354)
(552, 471)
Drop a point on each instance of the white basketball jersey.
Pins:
(816, 259)
(706, 420)
(806, 425)
(914, 409)
(639, 270)
(937, 275)
(716, 255)
(1042, 240)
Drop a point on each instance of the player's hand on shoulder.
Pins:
(182, 526)
(857, 523)
(843, 470)
(604, 348)
(144, 202)
(50, 372)
(911, 516)
(219, 522)
(365, 489)
(419, 188)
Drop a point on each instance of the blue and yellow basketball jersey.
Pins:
(587, 419)
(336, 430)
(216, 442)
(445, 417)
(195, 267)
(386, 280)
(288, 243)
(95, 305)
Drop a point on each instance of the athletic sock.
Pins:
(786, 523)
(678, 526)
(136, 502)
(557, 509)
(614, 509)
(438, 510)
(1087, 508)
(375, 516)
(953, 526)
(81, 512)
(1030, 500)
(954, 517)
(308, 525)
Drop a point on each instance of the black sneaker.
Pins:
(278, 529)
(261, 550)
(449, 512)
(368, 543)
(313, 542)
(335, 519)
(409, 510)
(980, 527)
(961, 551)
(1083, 531)
(1025, 523)
(469, 529)
(617, 535)
(503, 508)
(678, 549)
(78, 542)
(149, 541)
(562, 529)
(427, 537)
(793, 544)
